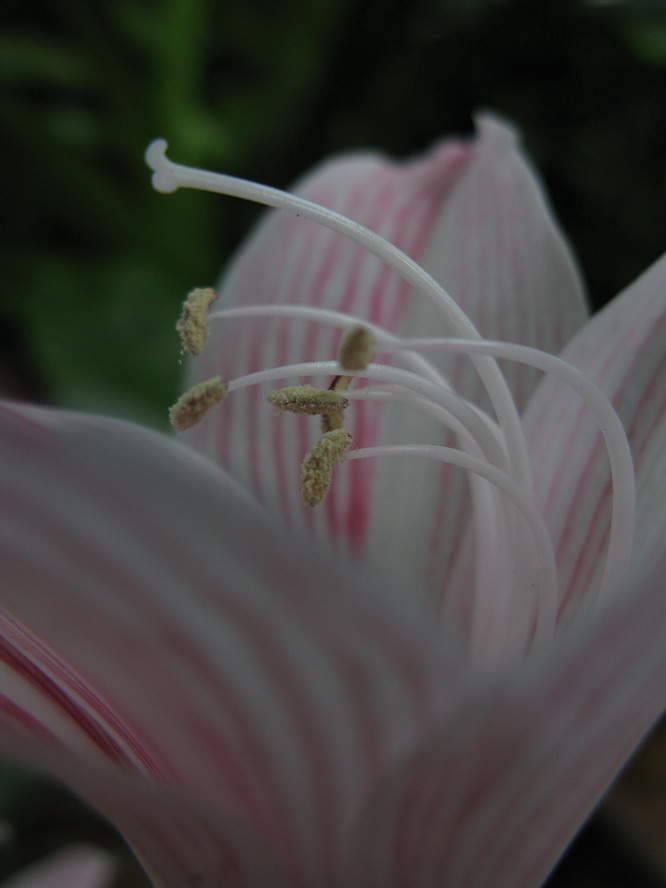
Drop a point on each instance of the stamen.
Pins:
(356, 348)
(318, 464)
(169, 176)
(193, 322)
(191, 407)
(306, 399)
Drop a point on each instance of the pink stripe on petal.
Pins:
(624, 350)
(56, 696)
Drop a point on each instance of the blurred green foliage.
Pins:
(94, 263)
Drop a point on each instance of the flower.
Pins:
(407, 685)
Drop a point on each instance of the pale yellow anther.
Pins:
(194, 404)
(193, 323)
(356, 348)
(306, 399)
(318, 464)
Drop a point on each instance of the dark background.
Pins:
(93, 263)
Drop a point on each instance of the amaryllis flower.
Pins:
(406, 643)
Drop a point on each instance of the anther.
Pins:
(356, 348)
(318, 464)
(195, 403)
(193, 323)
(306, 399)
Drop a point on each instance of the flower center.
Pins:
(510, 534)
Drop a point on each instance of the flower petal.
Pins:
(79, 866)
(160, 625)
(623, 349)
(179, 840)
(510, 777)
(499, 251)
(474, 213)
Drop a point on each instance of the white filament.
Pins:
(547, 605)
(623, 514)
(337, 319)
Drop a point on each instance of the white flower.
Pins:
(404, 687)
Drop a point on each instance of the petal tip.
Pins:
(496, 131)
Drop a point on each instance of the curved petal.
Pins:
(623, 349)
(179, 839)
(499, 251)
(496, 796)
(79, 866)
(477, 218)
(158, 623)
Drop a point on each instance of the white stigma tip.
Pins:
(155, 156)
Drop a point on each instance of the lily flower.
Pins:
(408, 644)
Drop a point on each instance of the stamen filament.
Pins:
(397, 395)
(336, 318)
(489, 509)
(620, 542)
(547, 597)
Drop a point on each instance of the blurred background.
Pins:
(94, 264)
